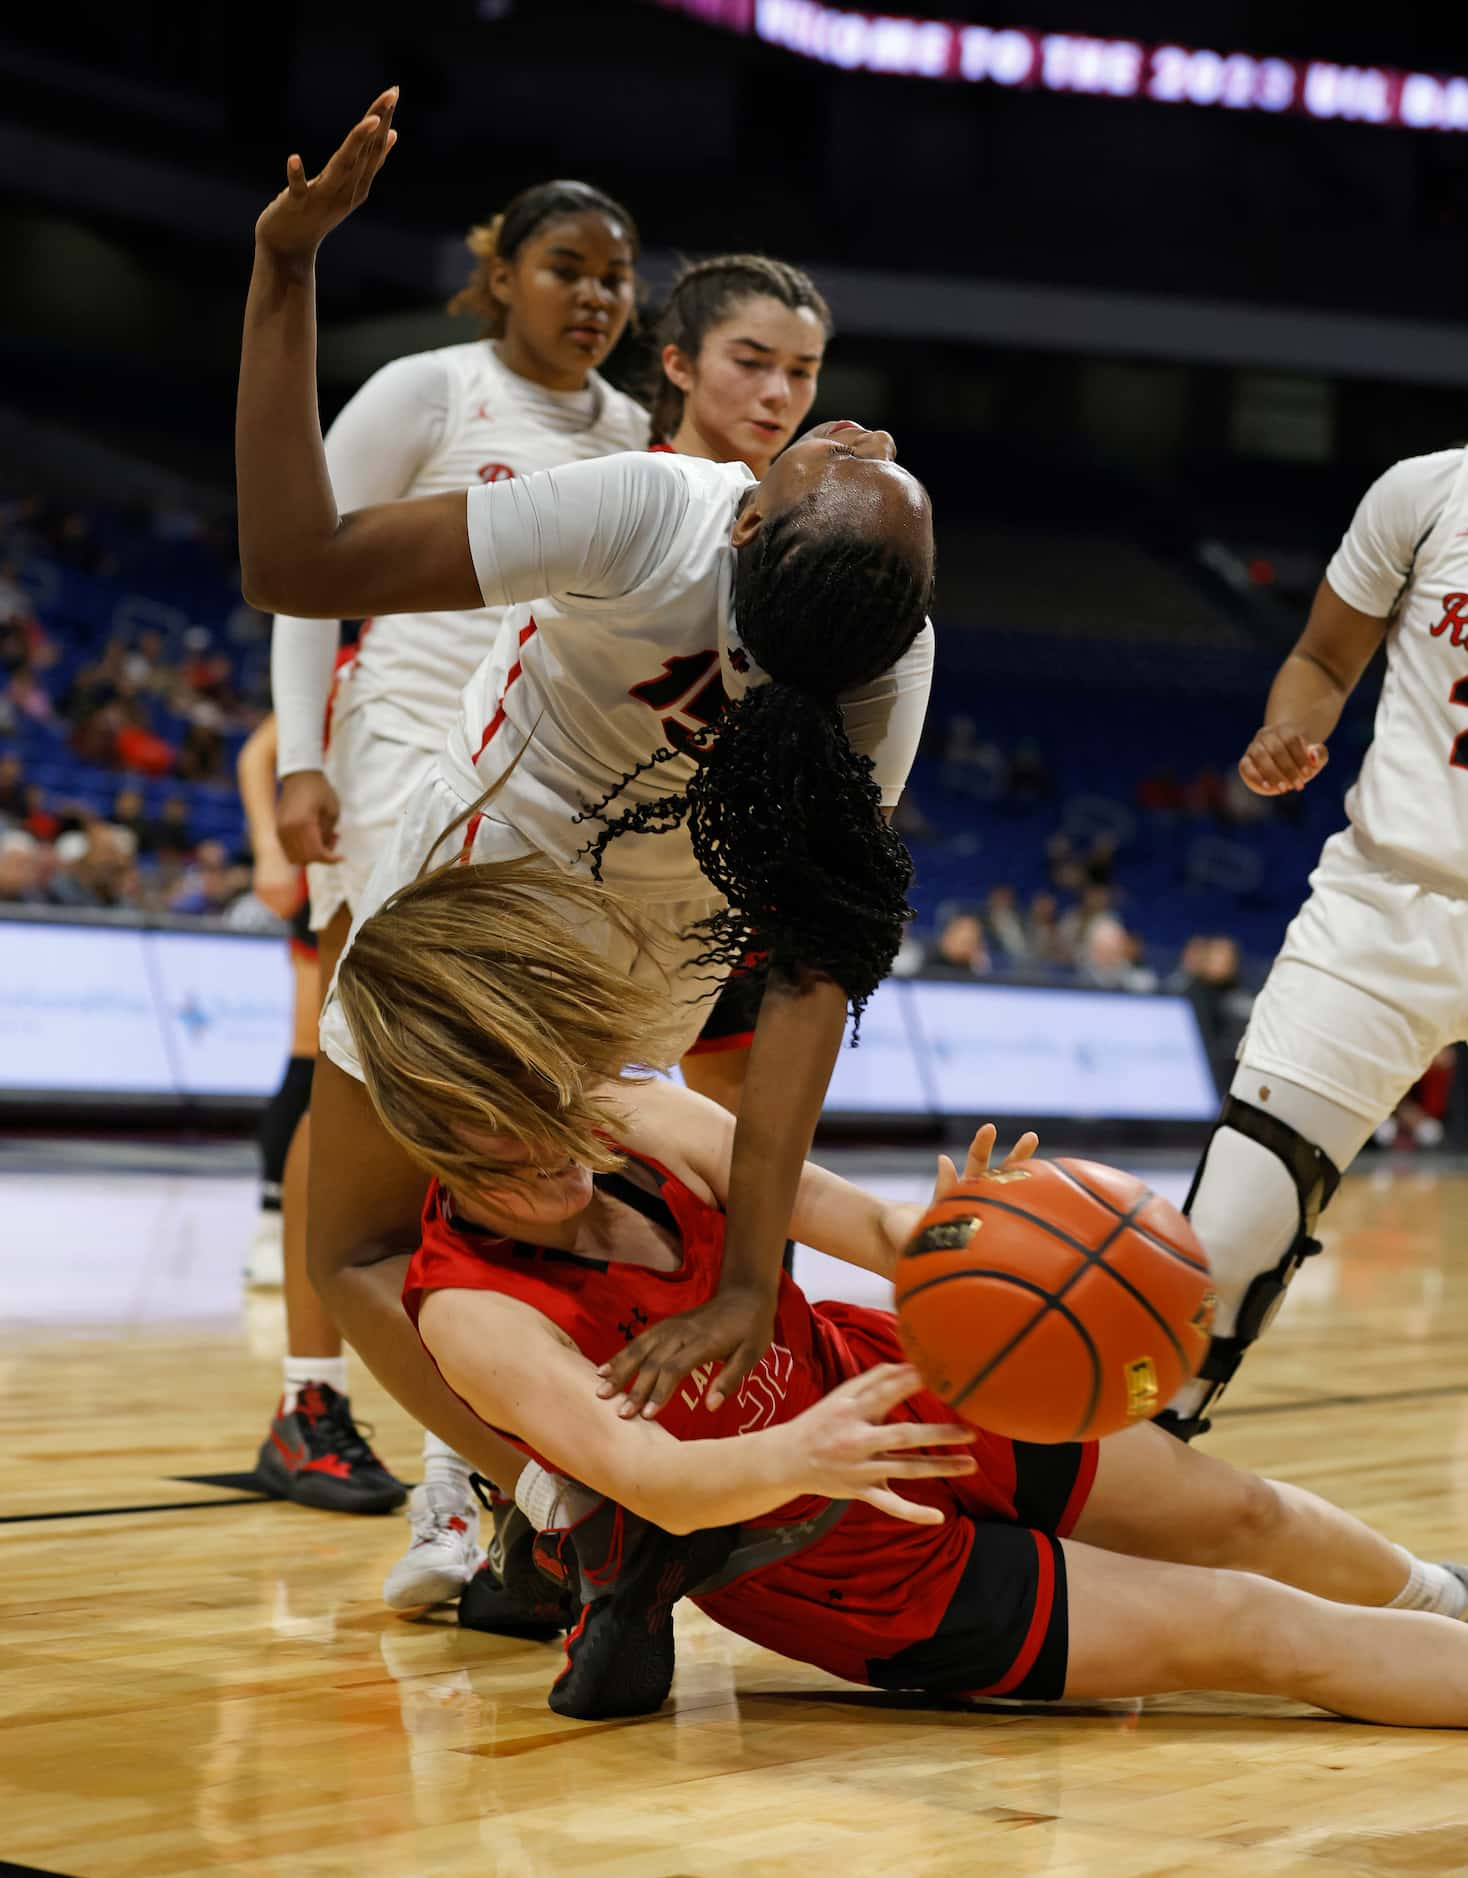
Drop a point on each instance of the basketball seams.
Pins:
(1142, 1232)
(1050, 1301)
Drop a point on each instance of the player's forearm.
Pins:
(287, 512)
(1306, 697)
(255, 773)
(795, 1043)
(302, 663)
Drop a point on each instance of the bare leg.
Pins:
(309, 1330)
(1138, 1627)
(366, 1200)
(1157, 1498)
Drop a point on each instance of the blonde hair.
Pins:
(477, 1009)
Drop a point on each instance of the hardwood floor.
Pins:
(213, 1685)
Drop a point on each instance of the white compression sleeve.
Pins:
(381, 439)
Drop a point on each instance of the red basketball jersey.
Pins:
(870, 1586)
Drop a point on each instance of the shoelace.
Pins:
(346, 1437)
(439, 1505)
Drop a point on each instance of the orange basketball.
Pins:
(1060, 1301)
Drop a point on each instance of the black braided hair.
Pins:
(706, 293)
(785, 817)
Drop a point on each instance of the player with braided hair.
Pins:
(740, 342)
(652, 587)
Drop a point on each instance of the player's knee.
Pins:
(1231, 1641)
(1257, 1515)
(1241, 1521)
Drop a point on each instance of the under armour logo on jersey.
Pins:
(639, 1320)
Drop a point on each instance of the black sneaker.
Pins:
(509, 1596)
(619, 1658)
(317, 1456)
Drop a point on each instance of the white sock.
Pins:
(299, 1370)
(1430, 1588)
(443, 1467)
(550, 1502)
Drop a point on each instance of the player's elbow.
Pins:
(271, 583)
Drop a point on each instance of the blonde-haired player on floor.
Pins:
(553, 290)
(830, 1509)
(1372, 980)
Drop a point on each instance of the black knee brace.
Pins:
(1316, 1178)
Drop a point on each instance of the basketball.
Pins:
(1060, 1301)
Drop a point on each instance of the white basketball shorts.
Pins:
(1372, 981)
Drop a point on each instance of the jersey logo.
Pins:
(496, 473)
(1453, 605)
(687, 700)
(480, 414)
(765, 1388)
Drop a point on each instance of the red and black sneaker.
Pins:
(509, 1596)
(619, 1658)
(317, 1456)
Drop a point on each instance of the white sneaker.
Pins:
(265, 1261)
(445, 1552)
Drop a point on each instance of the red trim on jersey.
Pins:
(471, 829)
(344, 657)
(715, 1046)
(526, 634)
(1039, 1621)
(661, 449)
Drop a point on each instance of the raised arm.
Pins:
(298, 555)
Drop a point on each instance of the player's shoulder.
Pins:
(623, 420)
(704, 481)
(1421, 477)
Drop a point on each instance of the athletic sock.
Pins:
(443, 1467)
(550, 1502)
(300, 1370)
(1430, 1588)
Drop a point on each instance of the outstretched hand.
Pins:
(846, 1449)
(293, 227)
(976, 1162)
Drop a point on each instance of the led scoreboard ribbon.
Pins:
(1083, 65)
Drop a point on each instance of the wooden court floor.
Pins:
(195, 1680)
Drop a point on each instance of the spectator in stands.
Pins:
(959, 950)
(20, 874)
(175, 841)
(1006, 928)
(1044, 934)
(128, 812)
(1099, 862)
(1095, 902)
(1067, 875)
(1208, 975)
(201, 755)
(96, 868)
(138, 747)
(15, 602)
(1419, 1117)
(1110, 956)
(12, 788)
(27, 697)
(40, 820)
(211, 884)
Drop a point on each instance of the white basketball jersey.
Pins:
(583, 688)
(410, 668)
(1406, 555)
